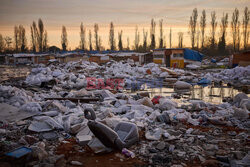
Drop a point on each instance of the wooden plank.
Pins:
(86, 100)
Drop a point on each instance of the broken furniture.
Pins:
(124, 135)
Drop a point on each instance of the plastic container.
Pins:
(128, 153)
(19, 152)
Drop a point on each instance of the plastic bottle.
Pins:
(128, 153)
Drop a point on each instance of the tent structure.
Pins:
(193, 55)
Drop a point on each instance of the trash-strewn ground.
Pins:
(44, 113)
(10, 72)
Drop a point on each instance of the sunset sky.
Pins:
(125, 14)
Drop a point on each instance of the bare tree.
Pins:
(197, 37)
(137, 39)
(245, 24)
(1, 43)
(64, 39)
(180, 38)
(96, 29)
(223, 28)
(22, 38)
(213, 29)
(170, 38)
(100, 43)
(192, 26)
(203, 27)
(82, 37)
(90, 41)
(34, 34)
(8, 42)
(161, 34)
(112, 36)
(33, 45)
(120, 40)
(152, 34)
(238, 37)
(40, 34)
(45, 41)
(145, 38)
(164, 41)
(128, 43)
(235, 24)
(16, 38)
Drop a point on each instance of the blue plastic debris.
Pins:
(193, 55)
(67, 136)
(204, 82)
(213, 60)
(19, 152)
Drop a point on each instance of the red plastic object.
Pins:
(156, 99)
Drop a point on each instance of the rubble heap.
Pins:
(170, 134)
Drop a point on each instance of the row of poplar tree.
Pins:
(197, 30)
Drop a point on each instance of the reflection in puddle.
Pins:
(213, 94)
(209, 93)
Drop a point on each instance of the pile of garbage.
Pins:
(35, 123)
(75, 75)
(236, 75)
(14, 96)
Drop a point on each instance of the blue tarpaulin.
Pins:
(213, 60)
(192, 55)
(204, 82)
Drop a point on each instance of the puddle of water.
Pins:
(211, 94)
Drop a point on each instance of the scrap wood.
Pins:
(171, 72)
(86, 100)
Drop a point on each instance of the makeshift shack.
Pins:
(19, 58)
(240, 59)
(192, 57)
(176, 57)
(99, 58)
(119, 56)
(169, 57)
(43, 58)
(71, 56)
(25, 58)
(146, 58)
(159, 56)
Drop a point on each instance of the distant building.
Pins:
(159, 56)
(169, 57)
(99, 58)
(71, 56)
(240, 59)
(19, 58)
(43, 58)
(28, 58)
(106, 56)
(176, 57)
(146, 58)
(135, 56)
